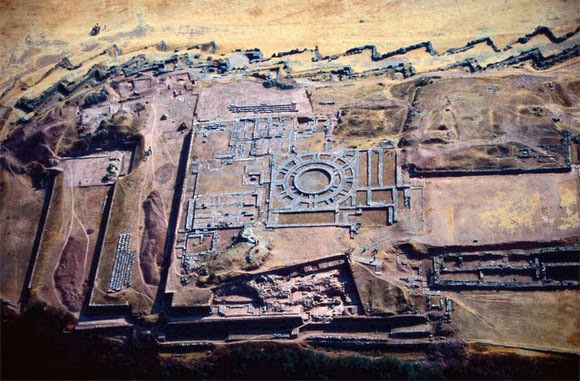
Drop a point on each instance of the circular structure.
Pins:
(311, 181)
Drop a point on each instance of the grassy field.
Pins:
(36, 37)
(526, 319)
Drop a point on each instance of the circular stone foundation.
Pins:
(313, 181)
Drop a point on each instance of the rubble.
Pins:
(247, 235)
(122, 265)
(264, 108)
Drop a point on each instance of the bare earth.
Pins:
(300, 184)
(496, 209)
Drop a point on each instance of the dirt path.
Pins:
(75, 217)
(146, 186)
(87, 245)
(53, 287)
(72, 200)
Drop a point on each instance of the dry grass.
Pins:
(495, 209)
(39, 35)
(456, 114)
(527, 319)
(307, 218)
(54, 237)
(465, 123)
(125, 201)
(124, 219)
(57, 224)
(377, 295)
(383, 122)
(191, 296)
(20, 210)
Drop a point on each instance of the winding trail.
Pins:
(67, 237)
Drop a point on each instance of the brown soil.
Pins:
(153, 242)
(496, 209)
(68, 278)
(381, 122)
(165, 173)
(122, 122)
(377, 295)
(304, 244)
(455, 121)
(55, 235)
(477, 123)
(192, 296)
(239, 257)
(52, 133)
(225, 239)
(126, 198)
(18, 226)
(543, 320)
(46, 30)
(304, 218)
(246, 92)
